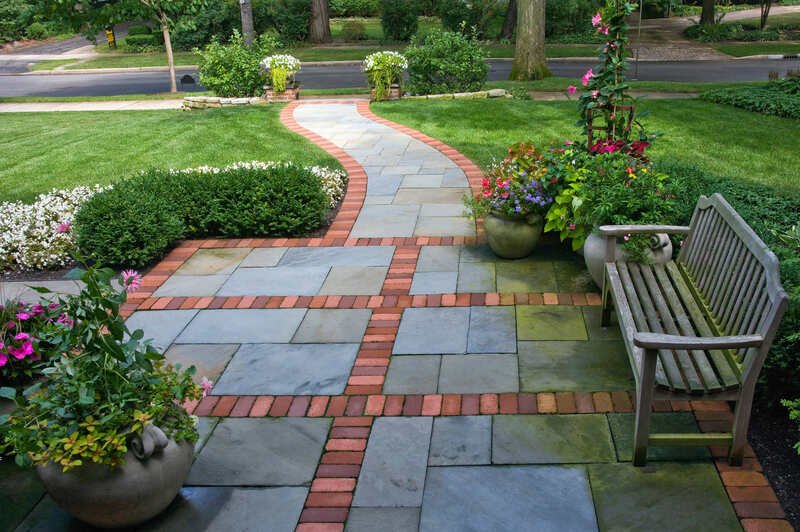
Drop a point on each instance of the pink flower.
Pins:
(22, 316)
(22, 336)
(571, 89)
(3, 358)
(206, 385)
(38, 309)
(487, 193)
(23, 351)
(65, 320)
(586, 77)
(603, 30)
(64, 227)
(569, 142)
(571, 227)
(627, 237)
(131, 280)
(595, 94)
(597, 19)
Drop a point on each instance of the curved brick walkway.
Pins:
(395, 375)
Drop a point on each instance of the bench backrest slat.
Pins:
(734, 271)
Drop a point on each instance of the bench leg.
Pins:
(644, 404)
(741, 421)
(605, 318)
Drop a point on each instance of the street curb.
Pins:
(771, 57)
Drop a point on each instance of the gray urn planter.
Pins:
(154, 471)
(513, 238)
(594, 253)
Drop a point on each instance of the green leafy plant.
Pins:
(280, 69)
(234, 69)
(104, 386)
(354, 30)
(382, 70)
(779, 98)
(25, 333)
(474, 15)
(355, 8)
(399, 19)
(445, 61)
(794, 415)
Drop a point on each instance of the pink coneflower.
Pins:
(206, 385)
(131, 280)
(64, 227)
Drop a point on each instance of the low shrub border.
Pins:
(141, 218)
(779, 98)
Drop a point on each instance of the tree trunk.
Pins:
(249, 33)
(707, 15)
(510, 21)
(766, 5)
(173, 87)
(529, 58)
(320, 30)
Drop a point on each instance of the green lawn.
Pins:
(46, 150)
(558, 84)
(721, 139)
(758, 48)
(787, 19)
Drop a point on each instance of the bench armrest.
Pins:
(621, 230)
(671, 341)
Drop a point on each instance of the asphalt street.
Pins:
(350, 76)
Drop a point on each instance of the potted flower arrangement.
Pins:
(512, 202)
(105, 428)
(280, 70)
(384, 70)
(24, 329)
(615, 188)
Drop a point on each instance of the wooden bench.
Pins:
(699, 327)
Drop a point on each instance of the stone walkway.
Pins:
(395, 375)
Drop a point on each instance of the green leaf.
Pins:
(6, 392)
(75, 274)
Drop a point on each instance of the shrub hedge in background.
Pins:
(234, 69)
(355, 8)
(399, 19)
(779, 98)
(445, 61)
(137, 222)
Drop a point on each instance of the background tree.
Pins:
(510, 20)
(91, 16)
(707, 15)
(529, 58)
(320, 30)
(248, 32)
(765, 5)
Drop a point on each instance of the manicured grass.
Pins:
(787, 19)
(138, 60)
(46, 150)
(50, 64)
(721, 139)
(758, 48)
(558, 84)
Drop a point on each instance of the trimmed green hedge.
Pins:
(779, 98)
(140, 218)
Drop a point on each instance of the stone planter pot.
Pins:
(513, 238)
(291, 93)
(594, 253)
(154, 471)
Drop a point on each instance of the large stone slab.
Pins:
(461, 440)
(492, 330)
(479, 374)
(535, 498)
(385, 519)
(261, 452)
(208, 359)
(592, 317)
(550, 322)
(288, 369)
(213, 261)
(248, 326)
(438, 259)
(393, 473)
(551, 439)
(191, 286)
(199, 508)
(668, 496)
(622, 426)
(574, 366)
(263, 258)
(332, 326)
(432, 331)
(573, 277)
(525, 277)
(339, 256)
(444, 226)
(354, 281)
(378, 221)
(434, 283)
(413, 374)
(277, 281)
(162, 326)
(418, 196)
(476, 277)
(20, 490)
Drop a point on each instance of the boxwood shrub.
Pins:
(446, 61)
(140, 218)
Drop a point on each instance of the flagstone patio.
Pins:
(404, 378)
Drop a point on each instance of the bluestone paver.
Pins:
(522, 498)
(333, 326)
(250, 326)
(622, 426)
(550, 322)
(461, 440)
(421, 331)
(263, 258)
(413, 374)
(205, 426)
(378, 221)
(592, 315)
(277, 281)
(418, 196)
(354, 281)
(663, 496)
(338, 256)
(479, 374)
(209, 360)
(551, 439)
(477, 277)
(422, 181)
(434, 210)
(162, 326)
(191, 286)
(288, 369)
(434, 283)
(387, 519)
(477, 253)
(438, 259)
(444, 226)
(213, 261)
(20, 490)
(261, 452)
(525, 277)
(492, 330)
(395, 463)
(572, 277)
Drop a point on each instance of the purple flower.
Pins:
(131, 280)
(22, 336)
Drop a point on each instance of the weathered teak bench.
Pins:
(699, 327)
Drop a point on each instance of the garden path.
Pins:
(393, 374)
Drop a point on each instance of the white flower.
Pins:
(385, 61)
(286, 62)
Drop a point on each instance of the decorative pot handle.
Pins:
(151, 440)
(659, 240)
